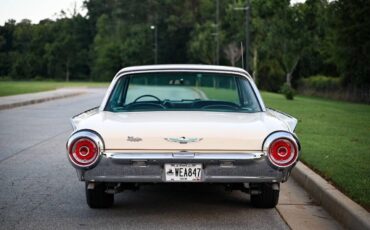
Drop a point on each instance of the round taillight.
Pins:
(83, 152)
(283, 152)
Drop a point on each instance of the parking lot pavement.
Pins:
(39, 188)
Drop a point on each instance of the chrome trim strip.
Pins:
(206, 179)
(185, 155)
(132, 179)
(238, 177)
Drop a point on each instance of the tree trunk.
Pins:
(67, 71)
(289, 79)
(289, 75)
(255, 64)
(232, 62)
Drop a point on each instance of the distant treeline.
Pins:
(288, 43)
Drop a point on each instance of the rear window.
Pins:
(193, 91)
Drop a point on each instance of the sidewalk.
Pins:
(300, 211)
(9, 102)
(348, 213)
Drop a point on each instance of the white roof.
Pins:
(183, 67)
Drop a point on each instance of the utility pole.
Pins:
(247, 32)
(153, 27)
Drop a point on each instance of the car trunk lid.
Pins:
(183, 130)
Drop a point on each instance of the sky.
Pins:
(36, 10)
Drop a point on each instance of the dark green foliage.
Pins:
(288, 42)
(351, 38)
(288, 91)
(52, 49)
(67, 54)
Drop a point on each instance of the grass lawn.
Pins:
(8, 88)
(220, 94)
(335, 138)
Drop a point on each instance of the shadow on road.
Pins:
(172, 196)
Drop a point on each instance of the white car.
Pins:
(181, 124)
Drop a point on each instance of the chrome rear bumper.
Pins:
(217, 167)
(182, 156)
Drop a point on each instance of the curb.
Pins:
(38, 100)
(343, 209)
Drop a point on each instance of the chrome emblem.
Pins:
(134, 139)
(183, 140)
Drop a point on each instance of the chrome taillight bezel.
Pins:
(281, 135)
(90, 135)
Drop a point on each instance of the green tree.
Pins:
(286, 40)
(106, 51)
(351, 41)
(6, 46)
(23, 61)
(202, 44)
(67, 54)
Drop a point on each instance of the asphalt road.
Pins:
(39, 188)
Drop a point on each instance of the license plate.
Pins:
(183, 172)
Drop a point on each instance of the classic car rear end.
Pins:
(183, 123)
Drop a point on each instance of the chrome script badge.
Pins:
(134, 139)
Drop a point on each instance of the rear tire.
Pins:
(97, 197)
(268, 198)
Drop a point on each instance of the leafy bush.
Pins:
(288, 91)
(321, 83)
(334, 88)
